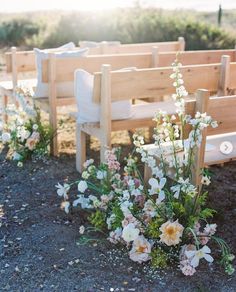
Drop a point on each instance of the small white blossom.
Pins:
(82, 186)
(130, 233)
(196, 255)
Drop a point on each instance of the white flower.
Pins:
(214, 124)
(149, 208)
(62, 190)
(205, 180)
(141, 250)
(101, 174)
(6, 137)
(82, 186)
(156, 188)
(124, 206)
(16, 156)
(85, 175)
(81, 229)
(84, 202)
(96, 202)
(20, 164)
(176, 190)
(196, 255)
(66, 206)
(24, 134)
(130, 233)
(110, 220)
(126, 195)
(88, 162)
(35, 127)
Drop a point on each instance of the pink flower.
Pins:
(171, 232)
(111, 160)
(115, 236)
(203, 239)
(140, 199)
(141, 250)
(210, 229)
(188, 270)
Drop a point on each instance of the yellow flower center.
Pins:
(170, 230)
(141, 248)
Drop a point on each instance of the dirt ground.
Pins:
(38, 250)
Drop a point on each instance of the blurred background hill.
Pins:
(201, 30)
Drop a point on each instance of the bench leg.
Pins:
(5, 103)
(105, 144)
(147, 173)
(53, 124)
(80, 148)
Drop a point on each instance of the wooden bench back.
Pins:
(24, 61)
(66, 67)
(138, 48)
(220, 108)
(146, 83)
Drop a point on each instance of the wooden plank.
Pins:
(232, 78)
(224, 79)
(143, 48)
(105, 115)
(202, 102)
(67, 66)
(134, 83)
(52, 103)
(181, 43)
(25, 61)
(194, 57)
(222, 109)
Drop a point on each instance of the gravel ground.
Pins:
(38, 250)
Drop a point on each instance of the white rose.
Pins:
(130, 233)
(82, 186)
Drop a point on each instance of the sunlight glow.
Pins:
(82, 5)
(99, 5)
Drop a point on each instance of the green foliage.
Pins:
(136, 25)
(159, 258)
(153, 227)
(98, 219)
(207, 213)
(132, 25)
(17, 31)
(119, 216)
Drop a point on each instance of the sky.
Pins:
(86, 5)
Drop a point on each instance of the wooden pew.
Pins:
(56, 71)
(222, 109)
(105, 48)
(18, 62)
(24, 62)
(140, 84)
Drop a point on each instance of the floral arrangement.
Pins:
(163, 220)
(25, 133)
